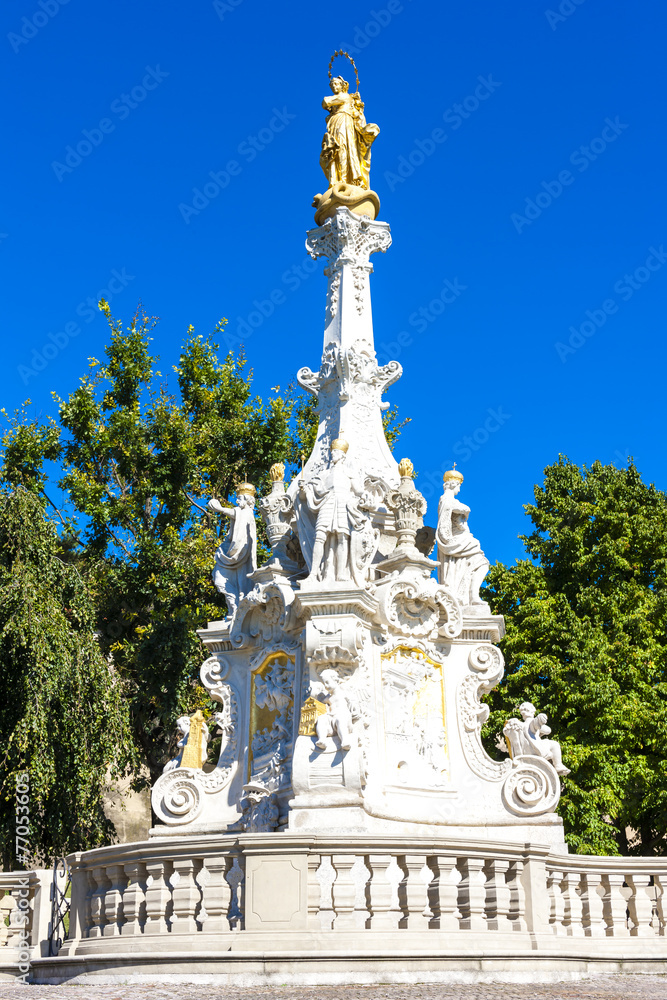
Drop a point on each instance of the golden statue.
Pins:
(346, 151)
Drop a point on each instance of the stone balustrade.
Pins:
(25, 911)
(215, 904)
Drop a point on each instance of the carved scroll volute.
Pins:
(486, 670)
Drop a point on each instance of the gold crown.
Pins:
(453, 474)
(339, 444)
(277, 472)
(245, 490)
(405, 468)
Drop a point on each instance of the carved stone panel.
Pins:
(414, 719)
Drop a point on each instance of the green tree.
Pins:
(63, 718)
(586, 641)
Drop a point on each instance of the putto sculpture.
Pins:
(527, 737)
(236, 557)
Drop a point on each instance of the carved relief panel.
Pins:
(414, 719)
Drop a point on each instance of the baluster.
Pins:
(344, 892)
(113, 900)
(185, 894)
(19, 919)
(593, 908)
(517, 910)
(640, 904)
(314, 894)
(216, 894)
(97, 902)
(134, 899)
(573, 916)
(326, 876)
(659, 909)
(158, 897)
(385, 914)
(361, 875)
(498, 894)
(614, 905)
(7, 904)
(472, 895)
(556, 901)
(444, 894)
(235, 878)
(416, 893)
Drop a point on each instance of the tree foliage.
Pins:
(63, 717)
(586, 641)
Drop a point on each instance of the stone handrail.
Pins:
(257, 882)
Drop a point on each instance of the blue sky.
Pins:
(521, 159)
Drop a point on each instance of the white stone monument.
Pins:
(350, 668)
(353, 828)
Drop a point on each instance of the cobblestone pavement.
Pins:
(637, 987)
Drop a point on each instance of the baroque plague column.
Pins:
(350, 667)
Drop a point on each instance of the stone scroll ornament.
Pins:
(487, 668)
(177, 795)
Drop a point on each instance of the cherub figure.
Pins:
(527, 737)
(337, 721)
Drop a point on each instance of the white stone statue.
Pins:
(236, 557)
(340, 546)
(462, 564)
(526, 737)
(337, 721)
